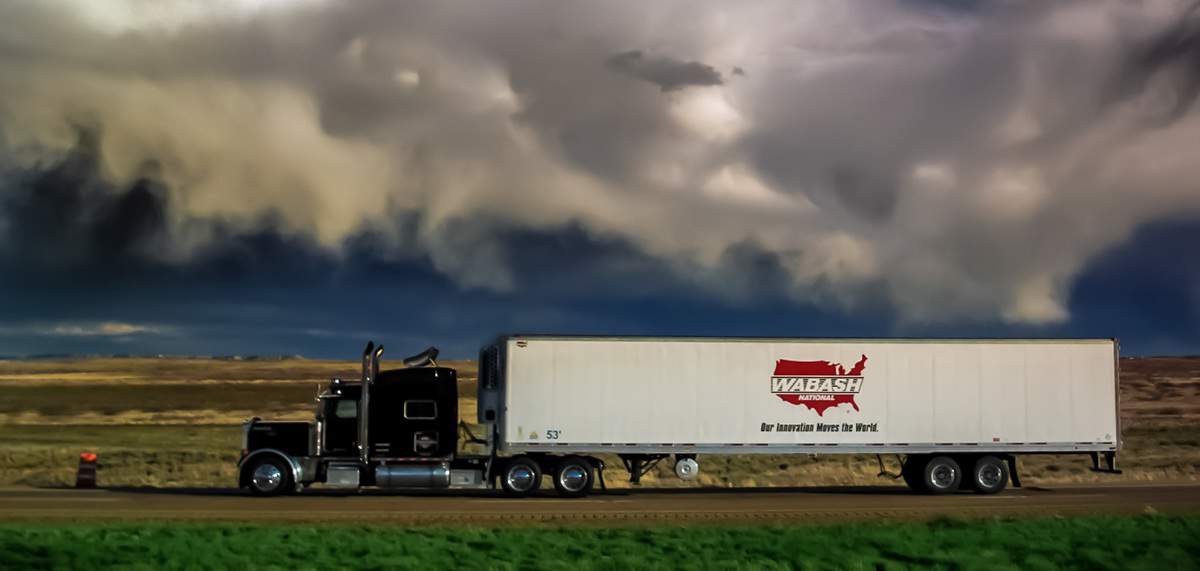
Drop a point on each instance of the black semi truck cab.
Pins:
(396, 428)
(393, 429)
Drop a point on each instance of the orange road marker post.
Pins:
(86, 476)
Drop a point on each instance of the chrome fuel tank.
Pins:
(413, 476)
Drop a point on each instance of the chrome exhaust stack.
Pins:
(378, 356)
(369, 369)
(366, 360)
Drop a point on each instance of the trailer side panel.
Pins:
(778, 396)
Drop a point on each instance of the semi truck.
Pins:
(956, 413)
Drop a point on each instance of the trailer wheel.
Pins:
(911, 472)
(941, 475)
(268, 476)
(521, 477)
(990, 475)
(574, 477)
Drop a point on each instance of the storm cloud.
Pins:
(950, 164)
(667, 73)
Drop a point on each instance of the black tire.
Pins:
(941, 475)
(269, 476)
(911, 472)
(574, 477)
(989, 475)
(521, 477)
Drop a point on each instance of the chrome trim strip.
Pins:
(1063, 447)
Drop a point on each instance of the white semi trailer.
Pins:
(958, 413)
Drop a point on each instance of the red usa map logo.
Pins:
(818, 385)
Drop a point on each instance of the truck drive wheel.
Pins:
(941, 475)
(989, 475)
(573, 477)
(521, 476)
(268, 476)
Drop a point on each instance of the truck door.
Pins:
(341, 426)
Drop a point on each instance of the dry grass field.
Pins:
(176, 422)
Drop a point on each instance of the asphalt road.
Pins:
(613, 507)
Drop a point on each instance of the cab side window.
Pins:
(420, 409)
(346, 408)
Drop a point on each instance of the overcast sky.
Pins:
(294, 177)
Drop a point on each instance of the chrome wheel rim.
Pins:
(520, 478)
(267, 477)
(942, 476)
(573, 478)
(990, 476)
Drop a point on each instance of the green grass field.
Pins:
(1148, 542)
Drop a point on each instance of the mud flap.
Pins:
(1013, 476)
(600, 473)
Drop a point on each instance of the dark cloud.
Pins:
(669, 74)
(1145, 291)
(927, 164)
(1169, 62)
(67, 216)
(964, 6)
(268, 291)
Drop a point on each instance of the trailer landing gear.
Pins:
(639, 465)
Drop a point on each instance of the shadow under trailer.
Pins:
(957, 413)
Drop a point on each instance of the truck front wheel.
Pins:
(268, 476)
(573, 477)
(941, 475)
(521, 477)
